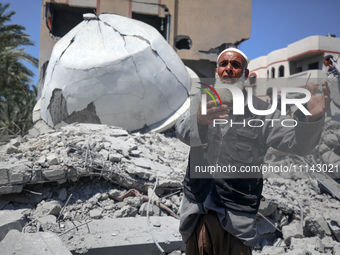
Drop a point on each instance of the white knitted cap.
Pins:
(234, 50)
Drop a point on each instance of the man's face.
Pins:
(230, 67)
(327, 62)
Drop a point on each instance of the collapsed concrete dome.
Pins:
(116, 71)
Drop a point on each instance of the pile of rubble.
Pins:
(84, 173)
(85, 188)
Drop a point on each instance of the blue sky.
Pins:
(275, 23)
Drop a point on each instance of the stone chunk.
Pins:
(45, 243)
(3, 176)
(115, 157)
(55, 173)
(336, 249)
(47, 208)
(52, 159)
(96, 213)
(334, 227)
(331, 140)
(16, 177)
(311, 244)
(11, 219)
(126, 211)
(114, 193)
(10, 189)
(272, 250)
(330, 157)
(134, 201)
(118, 132)
(292, 230)
(139, 172)
(318, 226)
(63, 194)
(328, 242)
(143, 162)
(11, 149)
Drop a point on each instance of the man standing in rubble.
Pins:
(218, 214)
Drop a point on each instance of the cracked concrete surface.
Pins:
(122, 68)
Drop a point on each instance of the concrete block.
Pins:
(62, 194)
(47, 208)
(41, 160)
(96, 213)
(335, 229)
(330, 139)
(11, 149)
(115, 157)
(11, 219)
(128, 236)
(328, 242)
(46, 243)
(134, 201)
(135, 153)
(55, 173)
(292, 230)
(336, 249)
(297, 252)
(317, 226)
(143, 163)
(10, 189)
(125, 211)
(311, 243)
(52, 159)
(15, 178)
(139, 172)
(118, 132)
(271, 250)
(3, 176)
(169, 183)
(154, 210)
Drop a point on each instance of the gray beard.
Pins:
(225, 94)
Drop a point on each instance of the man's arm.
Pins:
(302, 138)
(299, 140)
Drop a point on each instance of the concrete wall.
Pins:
(211, 25)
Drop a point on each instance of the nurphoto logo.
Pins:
(238, 101)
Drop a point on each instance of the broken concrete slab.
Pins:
(318, 226)
(311, 243)
(129, 236)
(335, 228)
(47, 208)
(113, 76)
(11, 219)
(292, 230)
(46, 243)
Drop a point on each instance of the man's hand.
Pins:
(213, 112)
(318, 105)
